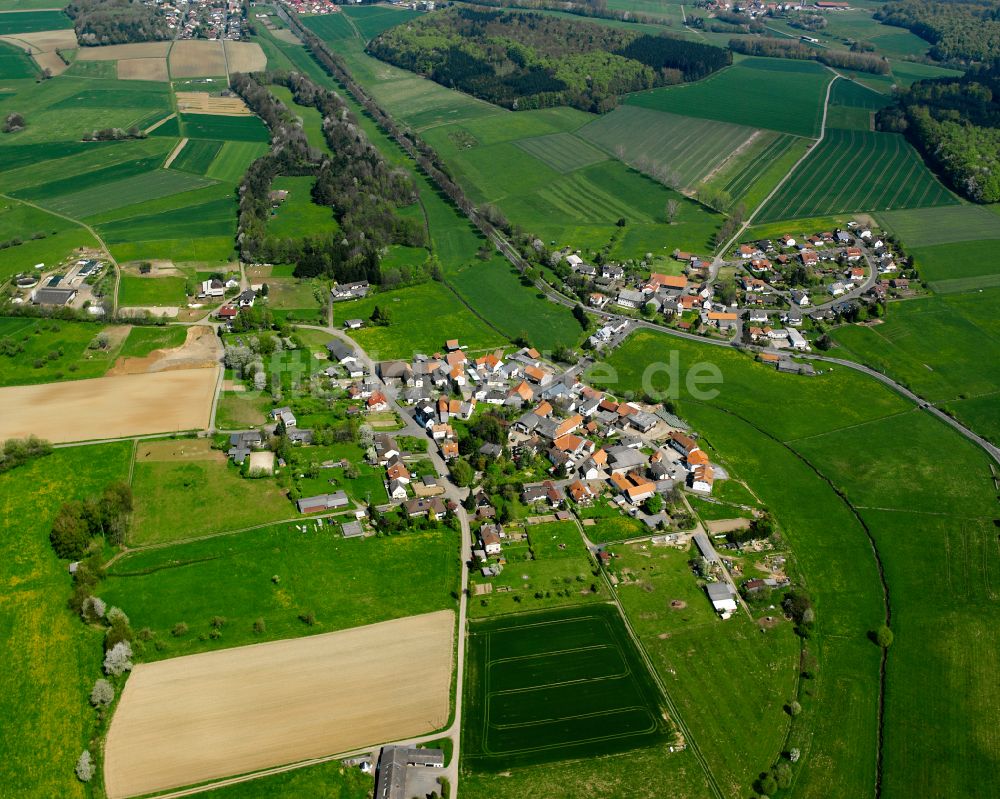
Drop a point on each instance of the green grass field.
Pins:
(61, 237)
(312, 120)
(209, 126)
(746, 676)
(958, 266)
(611, 523)
(32, 21)
(330, 780)
(497, 294)
(197, 156)
(372, 20)
(298, 214)
(553, 563)
(14, 64)
(51, 658)
(857, 171)
(127, 191)
(344, 582)
(942, 348)
(135, 290)
(529, 676)
(198, 494)
(233, 160)
(423, 318)
(745, 94)
(856, 95)
(688, 146)
(52, 350)
(143, 340)
(564, 152)
(884, 455)
(925, 227)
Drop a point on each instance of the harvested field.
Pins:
(245, 57)
(51, 61)
(191, 58)
(201, 349)
(109, 407)
(44, 41)
(143, 69)
(202, 717)
(114, 52)
(205, 103)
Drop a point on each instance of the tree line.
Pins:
(522, 60)
(596, 9)
(786, 48)
(958, 30)
(99, 22)
(354, 181)
(955, 123)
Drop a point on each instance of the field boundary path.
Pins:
(175, 152)
(92, 232)
(717, 261)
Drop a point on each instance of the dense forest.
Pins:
(786, 48)
(523, 60)
(959, 30)
(361, 190)
(955, 123)
(116, 22)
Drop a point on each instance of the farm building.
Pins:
(394, 766)
(723, 598)
(51, 296)
(322, 502)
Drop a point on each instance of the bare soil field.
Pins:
(201, 349)
(245, 57)
(192, 58)
(50, 60)
(109, 407)
(44, 41)
(113, 52)
(203, 717)
(143, 69)
(727, 525)
(205, 103)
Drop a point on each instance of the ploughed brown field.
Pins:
(203, 717)
(109, 407)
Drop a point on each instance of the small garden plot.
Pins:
(556, 685)
(315, 473)
(609, 523)
(548, 567)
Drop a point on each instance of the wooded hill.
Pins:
(524, 60)
(360, 188)
(959, 30)
(955, 123)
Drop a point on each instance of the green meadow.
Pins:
(744, 94)
(51, 658)
(817, 467)
(197, 156)
(56, 237)
(27, 21)
(940, 347)
(330, 780)
(926, 227)
(298, 214)
(138, 290)
(422, 319)
(179, 498)
(344, 582)
(209, 126)
(46, 350)
(15, 64)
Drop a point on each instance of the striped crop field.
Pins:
(579, 198)
(564, 152)
(197, 156)
(647, 139)
(739, 183)
(855, 170)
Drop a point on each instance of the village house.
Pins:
(349, 291)
(490, 539)
(433, 508)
